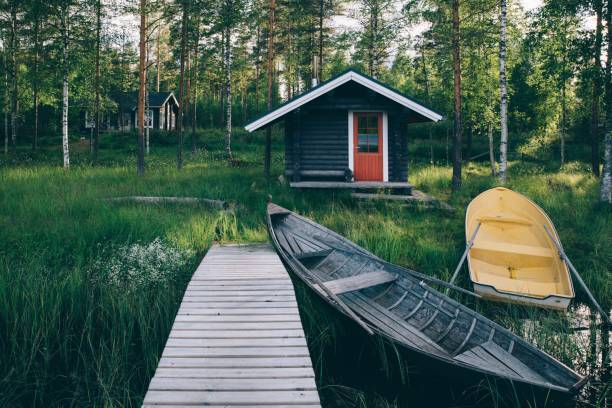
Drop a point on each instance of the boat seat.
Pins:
(358, 282)
(513, 249)
(504, 219)
(520, 286)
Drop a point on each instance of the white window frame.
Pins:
(385, 147)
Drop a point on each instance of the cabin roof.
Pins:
(129, 100)
(338, 80)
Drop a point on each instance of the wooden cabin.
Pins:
(349, 131)
(161, 113)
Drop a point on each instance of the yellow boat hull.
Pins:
(513, 259)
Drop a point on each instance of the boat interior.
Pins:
(409, 311)
(512, 252)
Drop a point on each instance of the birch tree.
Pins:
(596, 87)
(503, 107)
(64, 25)
(456, 178)
(606, 176)
(96, 141)
(142, 47)
(182, 99)
(270, 68)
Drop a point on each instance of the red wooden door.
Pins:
(367, 146)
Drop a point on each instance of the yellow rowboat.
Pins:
(513, 258)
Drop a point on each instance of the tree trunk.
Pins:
(96, 140)
(157, 62)
(35, 84)
(596, 90)
(270, 67)
(142, 85)
(503, 106)
(606, 176)
(257, 64)
(147, 99)
(14, 72)
(563, 122)
(6, 97)
(228, 93)
(491, 150)
(321, 19)
(65, 143)
(428, 96)
(179, 128)
(456, 180)
(195, 98)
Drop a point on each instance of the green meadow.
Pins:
(89, 288)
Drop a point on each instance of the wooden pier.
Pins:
(237, 339)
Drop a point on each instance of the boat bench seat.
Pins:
(513, 249)
(521, 286)
(504, 219)
(358, 282)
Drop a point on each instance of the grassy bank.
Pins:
(89, 289)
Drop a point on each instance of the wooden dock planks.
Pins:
(237, 340)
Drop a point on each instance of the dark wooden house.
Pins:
(161, 113)
(348, 131)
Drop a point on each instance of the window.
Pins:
(367, 132)
(148, 118)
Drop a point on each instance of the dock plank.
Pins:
(237, 339)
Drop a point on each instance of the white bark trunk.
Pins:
(228, 93)
(503, 108)
(6, 104)
(606, 175)
(65, 144)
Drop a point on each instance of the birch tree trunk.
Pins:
(456, 180)
(6, 97)
(563, 122)
(140, 169)
(158, 61)
(228, 93)
(181, 112)
(14, 74)
(503, 106)
(194, 113)
(270, 67)
(428, 96)
(35, 84)
(96, 140)
(65, 33)
(595, 97)
(606, 176)
(321, 19)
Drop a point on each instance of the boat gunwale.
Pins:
(553, 232)
(450, 360)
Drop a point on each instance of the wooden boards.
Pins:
(357, 282)
(237, 339)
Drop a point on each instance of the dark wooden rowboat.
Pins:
(401, 307)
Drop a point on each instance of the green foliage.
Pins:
(89, 288)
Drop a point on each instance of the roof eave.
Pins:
(334, 83)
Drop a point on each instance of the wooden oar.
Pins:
(563, 256)
(332, 295)
(468, 246)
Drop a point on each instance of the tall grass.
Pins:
(72, 336)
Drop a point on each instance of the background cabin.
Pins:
(161, 113)
(351, 129)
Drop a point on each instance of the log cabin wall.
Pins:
(320, 141)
